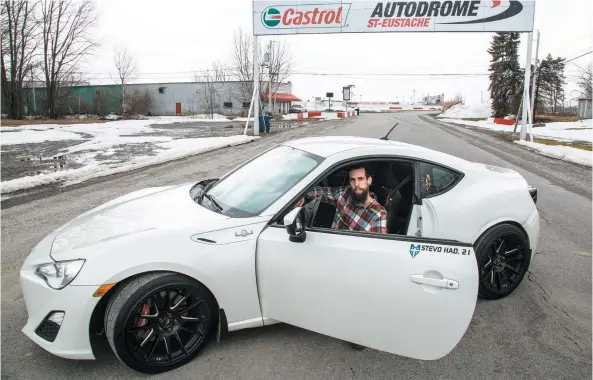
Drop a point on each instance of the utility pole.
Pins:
(533, 84)
(255, 99)
(270, 76)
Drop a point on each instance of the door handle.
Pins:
(441, 283)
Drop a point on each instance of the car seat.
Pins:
(392, 196)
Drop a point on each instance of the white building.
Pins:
(226, 98)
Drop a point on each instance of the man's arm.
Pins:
(328, 194)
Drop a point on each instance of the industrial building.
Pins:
(231, 98)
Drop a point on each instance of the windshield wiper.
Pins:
(211, 199)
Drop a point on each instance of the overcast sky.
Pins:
(171, 38)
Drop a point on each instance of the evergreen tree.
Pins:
(506, 74)
(549, 86)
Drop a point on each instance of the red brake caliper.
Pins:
(145, 311)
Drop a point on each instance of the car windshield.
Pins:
(255, 186)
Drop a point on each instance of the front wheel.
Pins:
(159, 321)
(503, 260)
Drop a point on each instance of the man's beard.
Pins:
(361, 197)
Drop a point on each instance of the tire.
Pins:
(502, 267)
(160, 336)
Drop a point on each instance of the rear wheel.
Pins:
(159, 321)
(503, 259)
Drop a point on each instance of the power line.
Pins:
(582, 55)
(307, 73)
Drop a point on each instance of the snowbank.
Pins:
(565, 131)
(174, 149)
(565, 153)
(467, 111)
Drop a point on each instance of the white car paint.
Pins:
(360, 290)
(163, 229)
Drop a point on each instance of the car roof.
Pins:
(326, 146)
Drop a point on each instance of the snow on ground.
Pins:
(561, 131)
(104, 134)
(173, 149)
(131, 143)
(565, 131)
(565, 153)
(467, 111)
(35, 135)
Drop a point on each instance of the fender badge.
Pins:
(243, 233)
(414, 250)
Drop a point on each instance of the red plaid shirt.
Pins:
(349, 214)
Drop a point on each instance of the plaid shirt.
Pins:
(349, 214)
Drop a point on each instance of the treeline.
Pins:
(44, 41)
(507, 79)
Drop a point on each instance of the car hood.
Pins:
(148, 209)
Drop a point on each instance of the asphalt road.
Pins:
(542, 331)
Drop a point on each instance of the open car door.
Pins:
(409, 296)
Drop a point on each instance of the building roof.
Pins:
(280, 97)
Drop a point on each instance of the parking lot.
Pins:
(542, 331)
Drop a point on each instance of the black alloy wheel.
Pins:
(167, 325)
(161, 325)
(503, 260)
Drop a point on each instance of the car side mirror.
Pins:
(294, 224)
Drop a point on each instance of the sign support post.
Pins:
(533, 87)
(526, 81)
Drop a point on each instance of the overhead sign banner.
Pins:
(319, 17)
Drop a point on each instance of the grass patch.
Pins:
(573, 144)
(584, 145)
(474, 118)
(546, 118)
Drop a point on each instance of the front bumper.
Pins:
(72, 340)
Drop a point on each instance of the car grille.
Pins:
(48, 329)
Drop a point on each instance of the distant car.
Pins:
(158, 270)
(297, 109)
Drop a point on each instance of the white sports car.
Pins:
(155, 272)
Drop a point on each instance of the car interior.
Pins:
(393, 184)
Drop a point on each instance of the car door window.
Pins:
(435, 179)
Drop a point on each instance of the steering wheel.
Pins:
(310, 210)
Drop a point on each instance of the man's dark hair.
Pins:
(367, 172)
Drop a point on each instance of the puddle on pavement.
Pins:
(31, 159)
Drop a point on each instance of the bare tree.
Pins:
(139, 102)
(243, 64)
(126, 67)
(209, 81)
(223, 76)
(214, 81)
(585, 81)
(19, 42)
(66, 39)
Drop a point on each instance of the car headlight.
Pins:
(59, 274)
